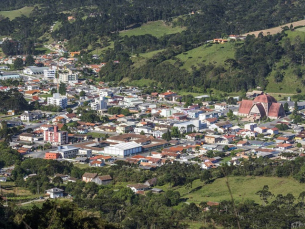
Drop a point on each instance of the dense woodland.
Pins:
(119, 205)
(98, 22)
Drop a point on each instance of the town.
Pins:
(95, 124)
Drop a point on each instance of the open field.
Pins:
(243, 188)
(276, 30)
(215, 54)
(26, 11)
(155, 28)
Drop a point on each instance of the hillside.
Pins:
(26, 11)
(155, 28)
(243, 188)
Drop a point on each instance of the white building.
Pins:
(85, 152)
(67, 77)
(250, 126)
(58, 100)
(123, 149)
(99, 103)
(66, 151)
(55, 193)
(33, 70)
(49, 73)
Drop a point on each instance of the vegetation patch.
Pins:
(155, 28)
(12, 14)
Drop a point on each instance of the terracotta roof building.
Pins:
(262, 106)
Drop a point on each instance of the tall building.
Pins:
(55, 137)
(58, 100)
(49, 73)
(67, 76)
(99, 104)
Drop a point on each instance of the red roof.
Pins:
(274, 110)
(265, 99)
(245, 106)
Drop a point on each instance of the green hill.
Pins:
(26, 11)
(155, 28)
(242, 188)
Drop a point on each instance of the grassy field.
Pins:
(140, 59)
(242, 188)
(155, 28)
(216, 54)
(17, 13)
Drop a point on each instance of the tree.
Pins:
(57, 181)
(29, 61)
(265, 194)
(69, 110)
(18, 64)
(230, 114)
(82, 93)
(142, 133)
(286, 107)
(167, 136)
(62, 89)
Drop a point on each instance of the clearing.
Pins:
(215, 54)
(155, 28)
(243, 188)
(12, 14)
(276, 30)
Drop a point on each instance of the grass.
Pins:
(140, 59)
(141, 82)
(243, 188)
(12, 14)
(215, 53)
(45, 95)
(81, 166)
(100, 51)
(155, 28)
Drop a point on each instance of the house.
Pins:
(26, 137)
(261, 130)
(273, 131)
(138, 187)
(52, 156)
(212, 139)
(102, 180)
(55, 193)
(151, 182)
(97, 163)
(242, 143)
(88, 177)
(284, 146)
(30, 116)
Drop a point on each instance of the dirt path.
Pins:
(276, 30)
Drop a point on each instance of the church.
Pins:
(262, 106)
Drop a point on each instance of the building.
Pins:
(27, 137)
(49, 73)
(6, 76)
(55, 193)
(102, 180)
(33, 70)
(55, 137)
(88, 177)
(67, 77)
(52, 156)
(30, 116)
(123, 149)
(138, 187)
(99, 103)
(66, 151)
(262, 106)
(58, 100)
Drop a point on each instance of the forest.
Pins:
(96, 24)
(117, 204)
